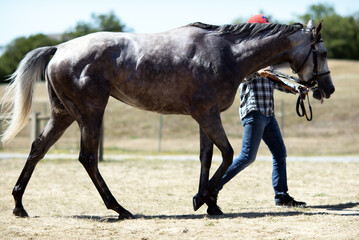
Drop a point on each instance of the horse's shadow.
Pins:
(341, 209)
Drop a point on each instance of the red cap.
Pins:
(258, 18)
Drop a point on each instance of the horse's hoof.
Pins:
(214, 210)
(125, 215)
(20, 212)
(197, 202)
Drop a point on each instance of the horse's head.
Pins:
(309, 61)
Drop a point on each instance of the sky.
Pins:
(27, 17)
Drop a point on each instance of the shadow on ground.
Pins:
(342, 209)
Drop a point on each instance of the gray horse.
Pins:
(193, 70)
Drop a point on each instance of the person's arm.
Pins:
(261, 73)
(251, 77)
(281, 85)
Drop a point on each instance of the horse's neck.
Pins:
(257, 53)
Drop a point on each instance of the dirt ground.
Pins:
(63, 203)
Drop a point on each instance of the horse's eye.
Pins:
(324, 54)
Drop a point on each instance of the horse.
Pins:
(192, 70)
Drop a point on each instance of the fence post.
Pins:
(282, 116)
(0, 128)
(160, 133)
(35, 126)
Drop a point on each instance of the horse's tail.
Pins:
(31, 69)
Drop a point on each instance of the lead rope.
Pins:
(300, 106)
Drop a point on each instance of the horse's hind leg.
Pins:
(60, 120)
(90, 135)
(89, 115)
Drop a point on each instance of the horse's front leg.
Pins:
(211, 125)
(206, 153)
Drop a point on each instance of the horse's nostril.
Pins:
(332, 90)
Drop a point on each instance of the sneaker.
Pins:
(288, 201)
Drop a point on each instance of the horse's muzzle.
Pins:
(328, 92)
(319, 94)
(325, 88)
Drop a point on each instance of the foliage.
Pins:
(17, 49)
(340, 34)
(100, 22)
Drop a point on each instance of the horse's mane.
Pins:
(250, 29)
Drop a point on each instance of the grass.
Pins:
(63, 203)
(333, 131)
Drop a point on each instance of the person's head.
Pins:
(258, 18)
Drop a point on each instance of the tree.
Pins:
(17, 49)
(318, 12)
(100, 22)
(340, 34)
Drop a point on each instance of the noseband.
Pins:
(313, 82)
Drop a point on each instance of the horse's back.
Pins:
(158, 72)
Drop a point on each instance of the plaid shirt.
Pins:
(256, 94)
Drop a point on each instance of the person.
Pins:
(259, 122)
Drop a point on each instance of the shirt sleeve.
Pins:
(251, 77)
(281, 87)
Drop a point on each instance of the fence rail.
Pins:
(35, 128)
(36, 118)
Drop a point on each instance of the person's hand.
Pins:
(264, 72)
(301, 89)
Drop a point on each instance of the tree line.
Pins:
(340, 34)
(18, 48)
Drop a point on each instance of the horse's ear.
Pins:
(310, 24)
(319, 27)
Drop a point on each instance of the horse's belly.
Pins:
(154, 101)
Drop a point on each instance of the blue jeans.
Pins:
(258, 127)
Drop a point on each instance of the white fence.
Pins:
(35, 128)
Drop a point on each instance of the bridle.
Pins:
(313, 82)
